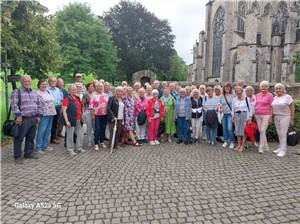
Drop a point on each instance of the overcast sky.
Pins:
(186, 17)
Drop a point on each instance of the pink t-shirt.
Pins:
(263, 103)
(98, 103)
(281, 105)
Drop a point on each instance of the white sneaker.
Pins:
(256, 144)
(282, 153)
(157, 142)
(152, 143)
(96, 148)
(231, 146)
(277, 150)
(103, 145)
(224, 144)
(81, 150)
(261, 151)
(169, 139)
(49, 149)
(71, 151)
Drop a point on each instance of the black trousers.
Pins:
(55, 123)
(26, 130)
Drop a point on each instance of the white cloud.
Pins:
(186, 17)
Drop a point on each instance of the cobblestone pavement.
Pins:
(166, 184)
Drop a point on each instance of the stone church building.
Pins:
(253, 40)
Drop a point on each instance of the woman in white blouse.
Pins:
(283, 111)
(241, 115)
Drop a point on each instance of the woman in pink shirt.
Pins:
(283, 111)
(98, 106)
(263, 114)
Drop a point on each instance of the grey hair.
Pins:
(280, 85)
(24, 77)
(155, 91)
(182, 90)
(249, 87)
(195, 91)
(264, 83)
(72, 86)
(119, 89)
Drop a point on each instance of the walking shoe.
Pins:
(282, 153)
(231, 146)
(224, 145)
(186, 142)
(81, 150)
(55, 141)
(41, 152)
(71, 151)
(103, 145)
(31, 156)
(277, 150)
(157, 142)
(256, 144)
(19, 161)
(169, 139)
(152, 143)
(49, 149)
(261, 151)
(96, 148)
(179, 141)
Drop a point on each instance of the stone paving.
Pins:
(166, 184)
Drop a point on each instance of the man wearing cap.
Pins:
(78, 78)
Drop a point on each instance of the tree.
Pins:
(297, 64)
(178, 69)
(28, 38)
(86, 44)
(144, 41)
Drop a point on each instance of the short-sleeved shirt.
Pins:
(281, 105)
(99, 103)
(66, 103)
(225, 108)
(263, 104)
(48, 103)
(211, 103)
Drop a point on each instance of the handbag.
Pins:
(292, 137)
(162, 128)
(10, 128)
(141, 118)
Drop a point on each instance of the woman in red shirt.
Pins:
(72, 112)
(155, 113)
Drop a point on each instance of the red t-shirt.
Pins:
(66, 103)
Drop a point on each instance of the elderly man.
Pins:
(156, 85)
(57, 94)
(183, 105)
(136, 88)
(79, 79)
(173, 91)
(27, 108)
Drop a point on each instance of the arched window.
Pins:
(218, 30)
(280, 19)
(298, 31)
(241, 13)
(255, 8)
(268, 10)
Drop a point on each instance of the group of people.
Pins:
(138, 115)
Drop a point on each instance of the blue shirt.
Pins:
(57, 95)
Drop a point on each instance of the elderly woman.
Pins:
(148, 95)
(226, 105)
(140, 106)
(72, 112)
(183, 106)
(263, 113)
(87, 112)
(240, 116)
(136, 88)
(283, 111)
(197, 118)
(45, 125)
(155, 113)
(129, 119)
(115, 113)
(169, 103)
(98, 107)
(211, 106)
(250, 99)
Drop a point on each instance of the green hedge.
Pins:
(271, 132)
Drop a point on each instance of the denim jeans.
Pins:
(211, 133)
(228, 128)
(43, 133)
(183, 129)
(100, 127)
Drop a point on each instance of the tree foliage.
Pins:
(178, 69)
(28, 38)
(144, 41)
(86, 44)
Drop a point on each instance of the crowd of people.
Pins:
(138, 115)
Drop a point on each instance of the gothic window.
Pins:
(298, 31)
(241, 13)
(268, 10)
(255, 8)
(258, 38)
(280, 19)
(218, 30)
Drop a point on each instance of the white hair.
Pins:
(280, 85)
(264, 83)
(119, 89)
(249, 87)
(25, 77)
(195, 91)
(155, 91)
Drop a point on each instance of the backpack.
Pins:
(211, 117)
(292, 137)
(141, 118)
